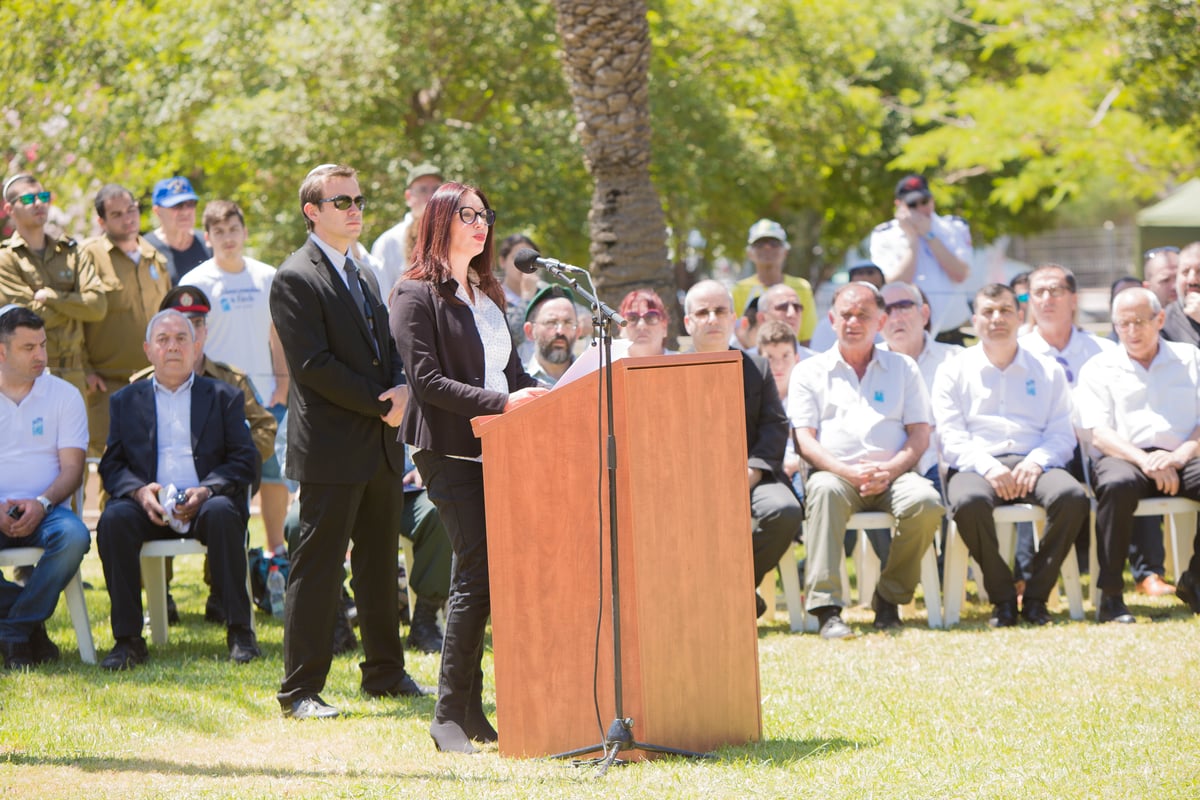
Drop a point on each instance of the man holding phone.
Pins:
(930, 252)
(43, 436)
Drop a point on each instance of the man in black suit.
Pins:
(777, 514)
(179, 462)
(347, 396)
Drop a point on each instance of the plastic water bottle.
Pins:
(276, 587)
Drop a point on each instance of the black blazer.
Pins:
(222, 449)
(335, 434)
(440, 345)
(766, 421)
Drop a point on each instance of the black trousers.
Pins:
(456, 487)
(332, 516)
(1120, 485)
(220, 526)
(972, 499)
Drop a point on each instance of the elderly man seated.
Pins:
(179, 462)
(1142, 404)
(777, 514)
(861, 419)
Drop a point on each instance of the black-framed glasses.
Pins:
(468, 215)
(786, 306)
(650, 318)
(900, 305)
(1057, 290)
(343, 201)
(27, 199)
(1153, 251)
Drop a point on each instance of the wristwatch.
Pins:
(929, 237)
(45, 501)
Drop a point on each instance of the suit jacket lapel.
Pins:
(202, 403)
(147, 411)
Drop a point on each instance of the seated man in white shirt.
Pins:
(861, 419)
(1004, 420)
(43, 437)
(179, 462)
(1142, 404)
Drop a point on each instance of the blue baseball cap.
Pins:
(170, 192)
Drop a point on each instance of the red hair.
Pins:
(430, 260)
(649, 297)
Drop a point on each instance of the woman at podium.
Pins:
(448, 321)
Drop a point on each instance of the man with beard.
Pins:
(550, 323)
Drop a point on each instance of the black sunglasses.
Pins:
(343, 201)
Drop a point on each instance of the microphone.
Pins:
(529, 260)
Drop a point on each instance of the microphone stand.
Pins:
(620, 731)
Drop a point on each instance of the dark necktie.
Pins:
(352, 280)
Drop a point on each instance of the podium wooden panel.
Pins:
(689, 639)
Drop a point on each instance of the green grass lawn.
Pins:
(1072, 710)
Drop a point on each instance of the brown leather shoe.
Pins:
(1154, 586)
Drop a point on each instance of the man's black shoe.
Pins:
(760, 605)
(18, 655)
(1187, 589)
(1034, 612)
(405, 687)
(127, 653)
(1004, 615)
(423, 634)
(344, 639)
(1113, 609)
(213, 611)
(832, 625)
(887, 615)
(311, 707)
(44, 650)
(243, 645)
(172, 611)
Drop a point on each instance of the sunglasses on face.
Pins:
(900, 305)
(27, 199)
(343, 201)
(650, 318)
(786, 306)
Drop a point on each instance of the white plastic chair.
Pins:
(867, 567)
(789, 575)
(154, 556)
(73, 593)
(1006, 518)
(1179, 529)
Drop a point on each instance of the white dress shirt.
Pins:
(858, 420)
(1157, 407)
(932, 356)
(983, 412)
(173, 412)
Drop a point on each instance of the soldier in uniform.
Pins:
(194, 304)
(44, 274)
(135, 280)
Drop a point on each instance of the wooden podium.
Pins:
(688, 634)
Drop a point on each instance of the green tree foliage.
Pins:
(801, 110)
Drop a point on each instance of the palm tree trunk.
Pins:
(606, 59)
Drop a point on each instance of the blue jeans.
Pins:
(65, 540)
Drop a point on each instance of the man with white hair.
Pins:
(188, 474)
(777, 515)
(1142, 404)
